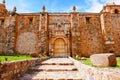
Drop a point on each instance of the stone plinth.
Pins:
(106, 59)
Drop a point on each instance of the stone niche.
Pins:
(105, 59)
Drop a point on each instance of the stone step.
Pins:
(54, 68)
(58, 61)
(62, 75)
(55, 63)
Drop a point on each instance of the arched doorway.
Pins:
(59, 48)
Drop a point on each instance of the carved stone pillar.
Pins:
(106, 26)
(43, 33)
(74, 26)
(10, 39)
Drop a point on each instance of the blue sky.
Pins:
(26, 6)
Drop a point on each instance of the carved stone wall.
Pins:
(116, 32)
(43, 32)
(2, 39)
(84, 33)
(3, 10)
(59, 18)
(27, 43)
(75, 34)
(24, 24)
(91, 39)
(58, 28)
(110, 27)
(59, 22)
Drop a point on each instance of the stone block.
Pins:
(105, 59)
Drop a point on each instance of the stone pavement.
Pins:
(53, 69)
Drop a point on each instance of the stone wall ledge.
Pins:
(92, 73)
(10, 70)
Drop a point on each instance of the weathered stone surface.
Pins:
(10, 70)
(27, 43)
(83, 33)
(93, 73)
(114, 76)
(35, 55)
(106, 59)
(54, 71)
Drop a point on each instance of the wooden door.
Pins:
(59, 48)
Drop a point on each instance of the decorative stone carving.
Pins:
(85, 39)
(43, 33)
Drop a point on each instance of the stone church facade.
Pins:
(60, 34)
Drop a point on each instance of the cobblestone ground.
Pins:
(53, 69)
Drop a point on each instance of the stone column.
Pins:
(10, 37)
(106, 26)
(74, 27)
(43, 33)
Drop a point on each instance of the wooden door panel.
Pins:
(59, 48)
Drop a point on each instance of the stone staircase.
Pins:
(53, 69)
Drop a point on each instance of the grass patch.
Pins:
(118, 61)
(88, 62)
(13, 57)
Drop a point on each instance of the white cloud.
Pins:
(70, 9)
(96, 6)
(21, 5)
(116, 1)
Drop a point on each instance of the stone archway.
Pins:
(60, 48)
